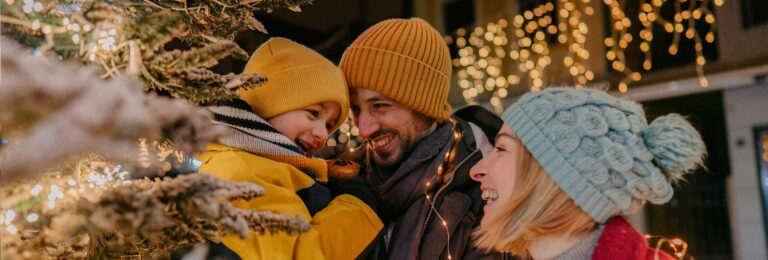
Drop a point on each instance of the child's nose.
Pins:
(320, 132)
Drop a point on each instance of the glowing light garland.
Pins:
(482, 51)
(480, 62)
(696, 11)
(442, 169)
(678, 246)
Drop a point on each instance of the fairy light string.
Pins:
(440, 177)
(678, 246)
(484, 51)
(480, 63)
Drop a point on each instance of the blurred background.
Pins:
(707, 60)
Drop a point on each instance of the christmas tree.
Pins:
(92, 98)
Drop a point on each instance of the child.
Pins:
(273, 130)
(568, 164)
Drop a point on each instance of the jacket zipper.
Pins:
(442, 188)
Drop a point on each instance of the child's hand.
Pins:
(342, 170)
(354, 186)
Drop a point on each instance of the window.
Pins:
(753, 13)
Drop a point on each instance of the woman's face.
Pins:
(497, 172)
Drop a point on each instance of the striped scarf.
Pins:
(249, 132)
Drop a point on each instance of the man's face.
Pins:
(389, 128)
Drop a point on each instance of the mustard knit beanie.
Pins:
(404, 59)
(297, 77)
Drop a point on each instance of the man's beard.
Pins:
(406, 145)
(393, 158)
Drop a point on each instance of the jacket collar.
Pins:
(620, 240)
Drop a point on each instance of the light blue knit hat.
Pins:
(600, 149)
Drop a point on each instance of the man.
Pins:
(418, 156)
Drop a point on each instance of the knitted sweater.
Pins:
(584, 249)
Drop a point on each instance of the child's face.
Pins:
(308, 127)
(497, 173)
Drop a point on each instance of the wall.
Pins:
(737, 44)
(745, 108)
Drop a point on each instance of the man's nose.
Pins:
(367, 124)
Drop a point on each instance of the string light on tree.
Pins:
(128, 37)
(89, 177)
(124, 38)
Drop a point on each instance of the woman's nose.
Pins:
(478, 171)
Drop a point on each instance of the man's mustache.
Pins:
(381, 133)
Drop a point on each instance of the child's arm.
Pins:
(340, 231)
(346, 227)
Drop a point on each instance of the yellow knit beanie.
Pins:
(404, 59)
(297, 77)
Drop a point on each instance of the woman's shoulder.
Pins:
(620, 240)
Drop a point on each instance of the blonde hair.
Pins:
(537, 207)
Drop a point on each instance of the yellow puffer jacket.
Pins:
(339, 231)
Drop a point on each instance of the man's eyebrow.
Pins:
(375, 99)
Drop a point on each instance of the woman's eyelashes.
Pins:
(499, 148)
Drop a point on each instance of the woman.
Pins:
(568, 164)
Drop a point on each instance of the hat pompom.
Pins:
(676, 146)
